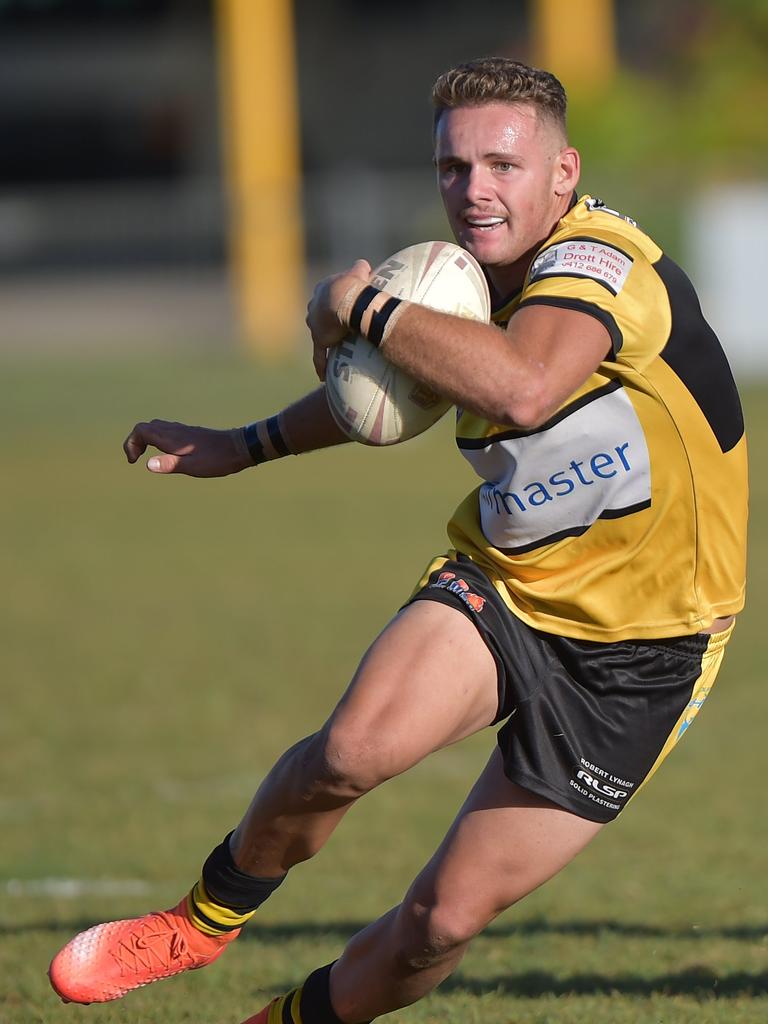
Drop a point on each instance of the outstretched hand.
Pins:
(322, 313)
(193, 451)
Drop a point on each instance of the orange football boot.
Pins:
(110, 959)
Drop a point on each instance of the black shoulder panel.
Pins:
(696, 356)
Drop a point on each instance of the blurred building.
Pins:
(111, 161)
(109, 116)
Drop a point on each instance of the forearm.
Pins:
(204, 452)
(453, 356)
(471, 363)
(304, 426)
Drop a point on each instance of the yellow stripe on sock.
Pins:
(296, 1006)
(198, 899)
(275, 1011)
(277, 1007)
(275, 1015)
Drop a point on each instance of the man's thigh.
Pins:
(427, 681)
(504, 843)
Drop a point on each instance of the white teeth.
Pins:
(484, 222)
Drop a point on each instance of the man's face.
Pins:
(505, 176)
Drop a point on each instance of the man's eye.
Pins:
(502, 165)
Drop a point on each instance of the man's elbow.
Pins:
(525, 412)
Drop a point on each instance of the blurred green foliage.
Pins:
(685, 111)
(689, 103)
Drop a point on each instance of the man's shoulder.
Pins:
(593, 242)
(590, 218)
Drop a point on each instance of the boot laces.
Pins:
(154, 946)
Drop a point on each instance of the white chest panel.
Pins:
(592, 462)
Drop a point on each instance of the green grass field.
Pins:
(163, 640)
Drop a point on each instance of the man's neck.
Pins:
(506, 281)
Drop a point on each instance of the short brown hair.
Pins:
(500, 80)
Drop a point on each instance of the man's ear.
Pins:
(568, 169)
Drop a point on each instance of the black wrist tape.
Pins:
(375, 332)
(254, 445)
(276, 437)
(228, 885)
(362, 302)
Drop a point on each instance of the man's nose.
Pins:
(477, 186)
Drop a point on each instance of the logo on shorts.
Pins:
(692, 710)
(455, 585)
(599, 785)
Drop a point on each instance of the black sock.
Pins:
(310, 1002)
(226, 898)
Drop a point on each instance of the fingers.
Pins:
(134, 445)
(163, 463)
(320, 361)
(187, 450)
(325, 324)
(174, 439)
(361, 269)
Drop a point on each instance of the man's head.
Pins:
(505, 170)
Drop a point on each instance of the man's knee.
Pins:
(341, 763)
(432, 931)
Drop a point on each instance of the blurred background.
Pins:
(150, 145)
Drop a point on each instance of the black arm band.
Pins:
(275, 436)
(254, 445)
(276, 439)
(379, 321)
(362, 302)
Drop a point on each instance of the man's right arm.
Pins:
(304, 426)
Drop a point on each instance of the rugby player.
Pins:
(586, 600)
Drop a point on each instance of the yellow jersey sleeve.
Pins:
(600, 264)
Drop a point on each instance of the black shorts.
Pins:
(585, 723)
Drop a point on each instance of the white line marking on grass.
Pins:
(75, 888)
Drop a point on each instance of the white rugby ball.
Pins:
(373, 401)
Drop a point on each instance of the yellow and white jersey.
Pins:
(624, 515)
